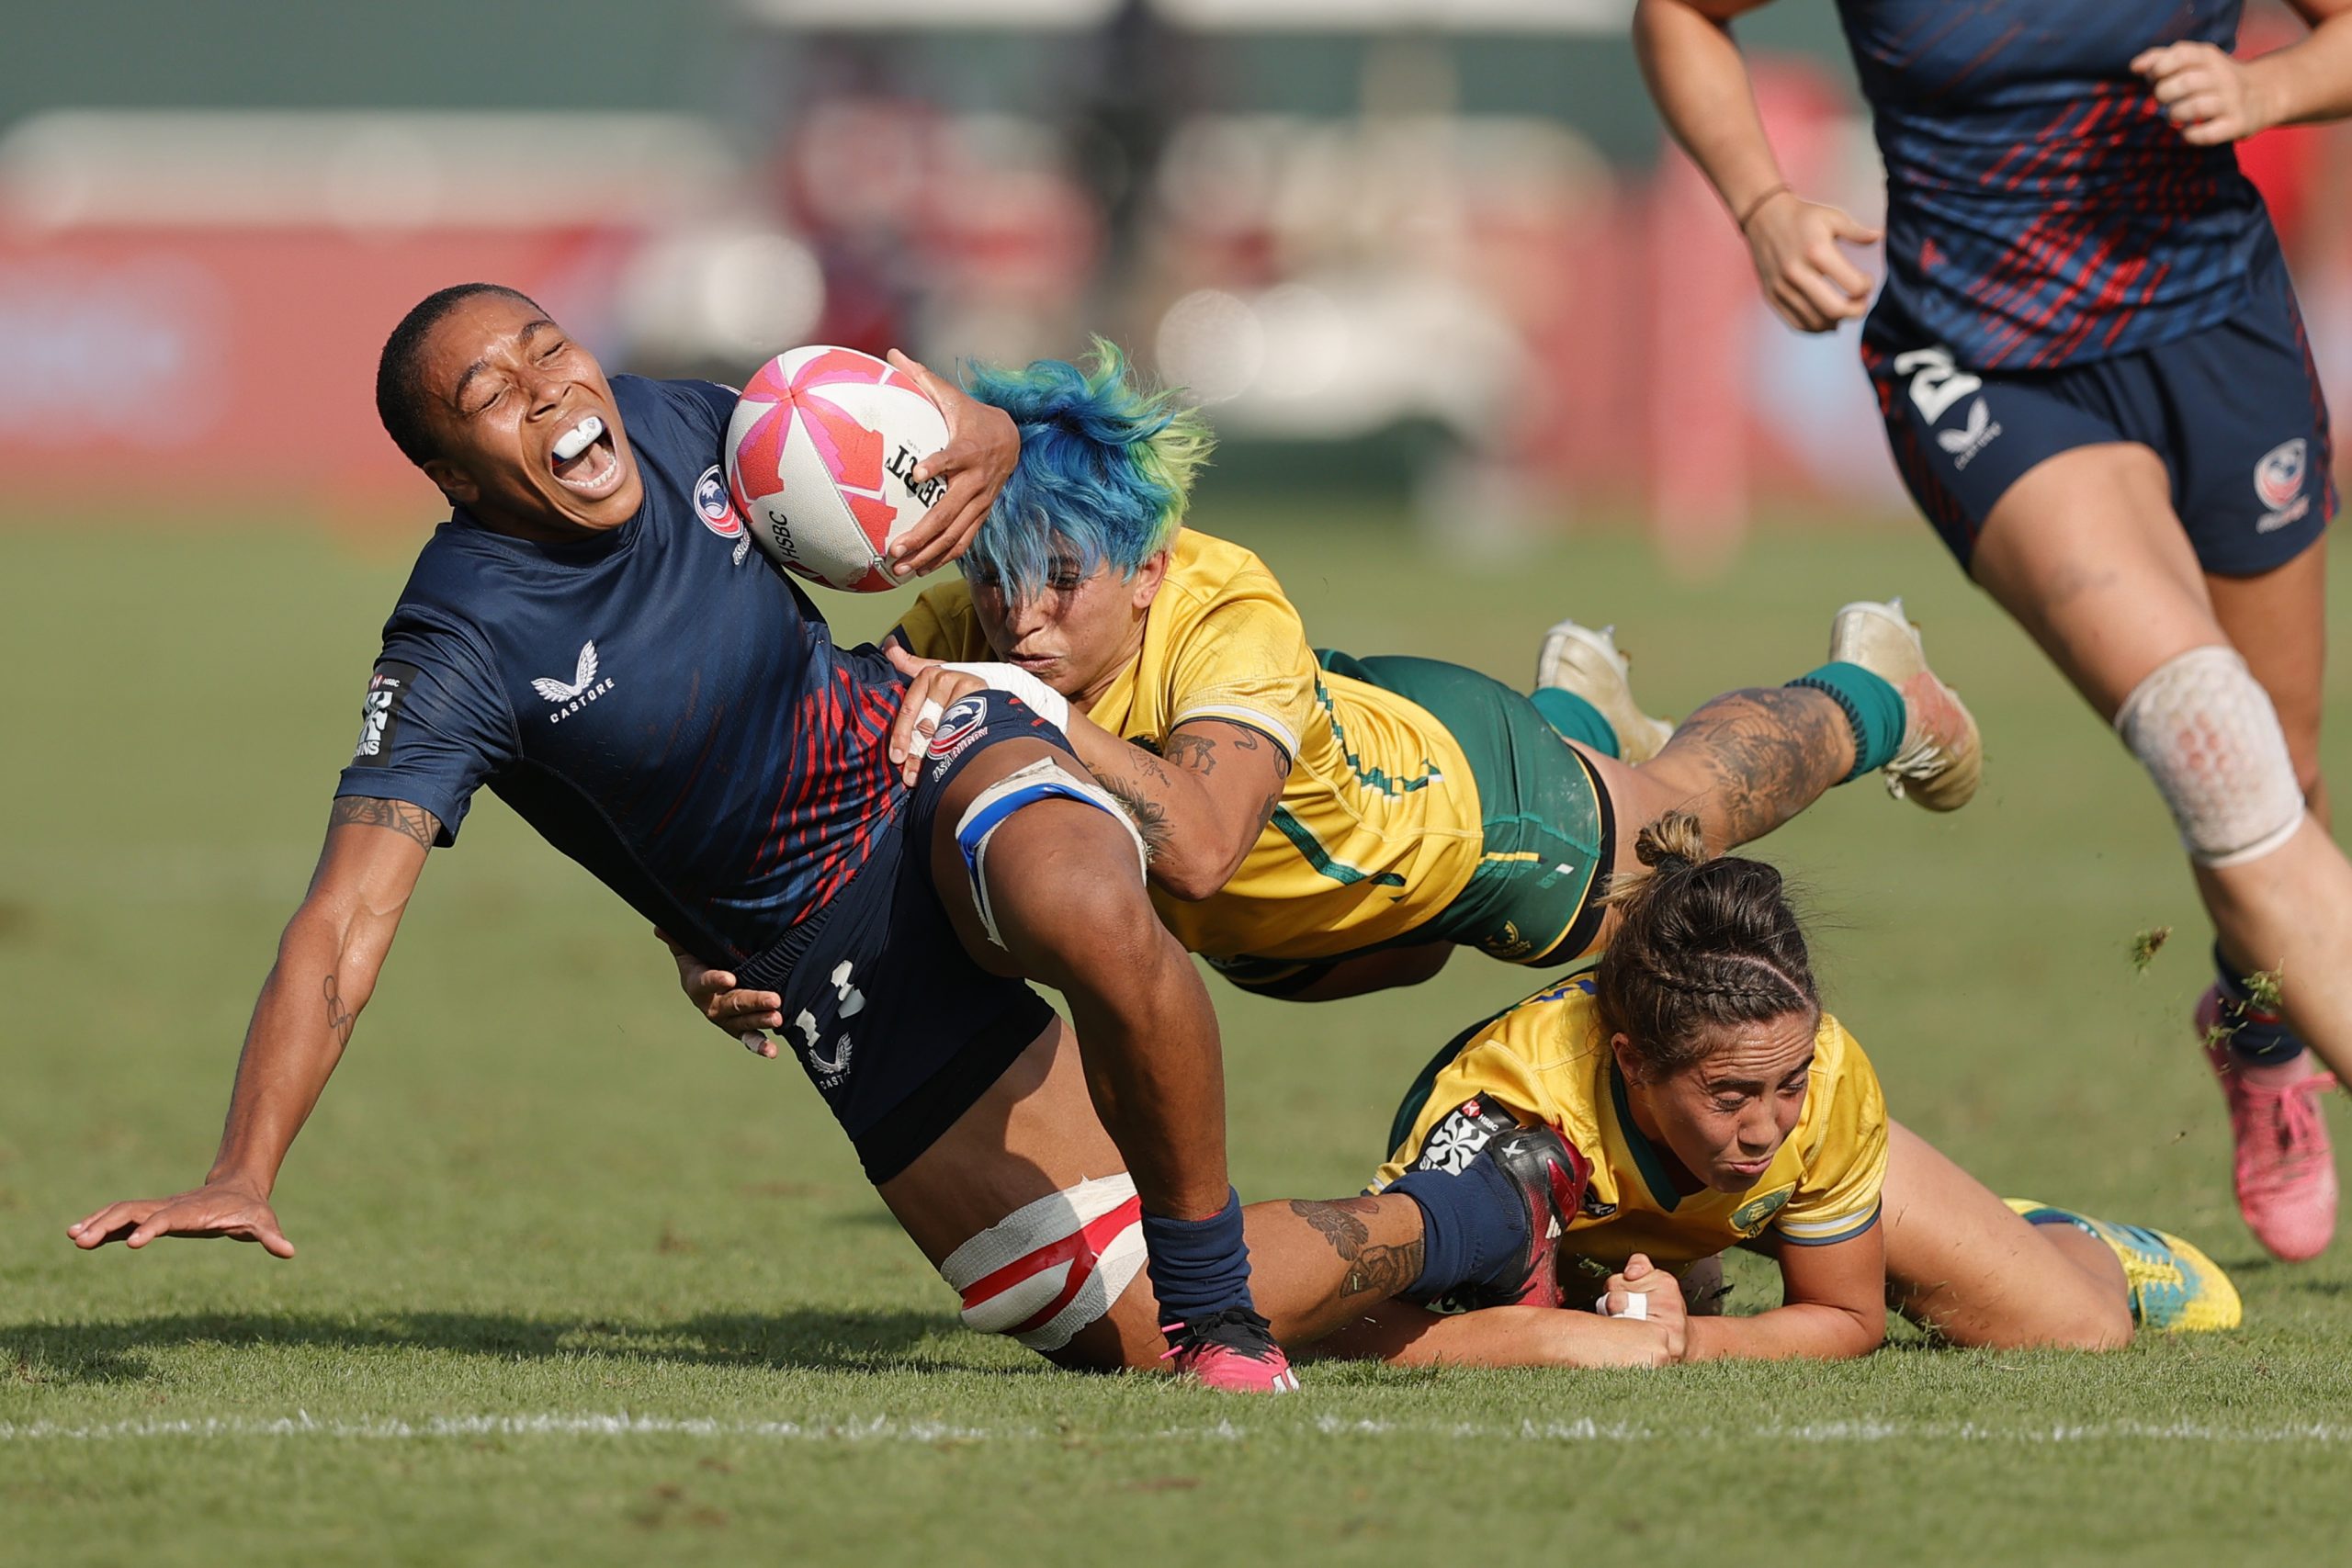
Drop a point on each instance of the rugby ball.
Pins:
(820, 459)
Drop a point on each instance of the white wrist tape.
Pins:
(1043, 700)
(2204, 728)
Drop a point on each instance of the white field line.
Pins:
(890, 1430)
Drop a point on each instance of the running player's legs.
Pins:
(1960, 1262)
(2136, 516)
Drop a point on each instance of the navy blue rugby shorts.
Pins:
(898, 1028)
(2236, 412)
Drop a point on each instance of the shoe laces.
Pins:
(2292, 1121)
(1236, 1329)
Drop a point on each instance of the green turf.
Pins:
(582, 1283)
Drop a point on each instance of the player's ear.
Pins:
(1629, 1061)
(1145, 584)
(452, 480)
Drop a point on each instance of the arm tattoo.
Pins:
(397, 815)
(1151, 765)
(1374, 1273)
(1150, 817)
(340, 1017)
(1191, 751)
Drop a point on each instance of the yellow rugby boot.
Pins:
(1585, 663)
(2175, 1288)
(1941, 757)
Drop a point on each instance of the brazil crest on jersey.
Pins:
(2041, 209)
(1547, 1060)
(661, 705)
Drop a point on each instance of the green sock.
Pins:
(1873, 706)
(1577, 720)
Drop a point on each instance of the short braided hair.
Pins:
(1701, 944)
(401, 397)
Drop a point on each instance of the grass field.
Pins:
(582, 1283)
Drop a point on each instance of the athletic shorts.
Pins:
(898, 1028)
(1547, 829)
(2236, 411)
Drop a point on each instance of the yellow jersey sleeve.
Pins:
(1485, 1091)
(1246, 660)
(1838, 1198)
(942, 625)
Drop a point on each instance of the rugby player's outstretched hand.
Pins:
(982, 445)
(745, 1016)
(215, 1210)
(930, 686)
(2206, 93)
(1809, 282)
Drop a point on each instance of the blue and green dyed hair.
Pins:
(1106, 471)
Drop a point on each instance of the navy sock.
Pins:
(1473, 1223)
(1198, 1267)
(2257, 1035)
(1873, 707)
(1576, 719)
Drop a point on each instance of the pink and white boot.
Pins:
(2284, 1169)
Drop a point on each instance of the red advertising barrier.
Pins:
(232, 369)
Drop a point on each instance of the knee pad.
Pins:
(1050, 1268)
(2205, 730)
(1045, 780)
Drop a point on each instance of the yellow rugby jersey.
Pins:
(1547, 1060)
(1379, 826)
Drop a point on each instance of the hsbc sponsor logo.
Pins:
(387, 689)
(2279, 485)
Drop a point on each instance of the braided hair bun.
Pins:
(1701, 943)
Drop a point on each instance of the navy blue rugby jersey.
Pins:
(2040, 209)
(662, 705)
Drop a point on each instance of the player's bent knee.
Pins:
(1052, 1269)
(1047, 779)
(2206, 731)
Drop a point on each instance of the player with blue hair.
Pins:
(1106, 471)
(1320, 825)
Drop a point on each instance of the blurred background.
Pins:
(1427, 252)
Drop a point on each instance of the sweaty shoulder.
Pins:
(943, 624)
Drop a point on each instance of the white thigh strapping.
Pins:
(1050, 1268)
(2206, 731)
(1044, 780)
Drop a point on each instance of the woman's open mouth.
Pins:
(585, 461)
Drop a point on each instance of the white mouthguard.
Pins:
(574, 441)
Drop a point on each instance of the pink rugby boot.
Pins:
(1231, 1350)
(2284, 1169)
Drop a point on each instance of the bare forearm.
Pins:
(300, 1024)
(1700, 84)
(1404, 1335)
(2309, 82)
(1807, 1331)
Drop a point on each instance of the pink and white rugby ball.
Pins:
(820, 459)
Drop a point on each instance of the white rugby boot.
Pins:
(1576, 659)
(1941, 757)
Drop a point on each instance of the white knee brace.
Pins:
(2204, 728)
(1050, 1268)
